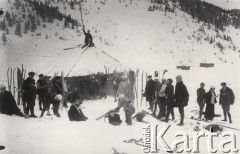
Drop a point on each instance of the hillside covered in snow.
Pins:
(127, 30)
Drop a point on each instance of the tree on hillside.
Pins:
(18, 31)
(7, 31)
(3, 25)
(26, 26)
(4, 38)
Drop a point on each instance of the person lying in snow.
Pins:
(213, 128)
(75, 113)
(129, 109)
(8, 104)
(114, 118)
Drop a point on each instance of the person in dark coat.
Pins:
(8, 104)
(75, 113)
(201, 99)
(149, 92)
(170, 99)
(210, 101)
(29, 94)
(227, 98)
(181, 97)
(88, 38)
(114, 118)
(51, 97)
(41, 90)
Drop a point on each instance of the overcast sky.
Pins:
(227, 4)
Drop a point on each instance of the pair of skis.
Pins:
(15, 87)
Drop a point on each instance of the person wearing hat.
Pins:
(8, 104)
(114, 118)
(29, 94)
(75, 113)
(181, 97)
(41, 90)
(169, 99)
(149, 92)
(157, 88)
(201, 93)
(210, 101)
(226, 99)
(162, 103)
(123, 87)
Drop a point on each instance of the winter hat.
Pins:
(149, 76)
(212, 87)
(169, 80)
(223, 83)
(59, 97)
(2, 86)
(121, 96)
(31, 73)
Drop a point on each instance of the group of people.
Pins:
(158, 94)
(162, 95)
(49, 93)
(226, 98)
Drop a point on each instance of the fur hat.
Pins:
(58, 97)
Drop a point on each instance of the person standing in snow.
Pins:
(53, 98)
(227, 98)
(129, 109)
(88, 38)
(149, 92)
(210, 101)
(201, 99)
(75, 113)
(157, 88)
(41, 90)
(123, 87)
(170, 99)
(8, 104)
(29, 94)
(58, 89)
(162, 104)
(181, 97)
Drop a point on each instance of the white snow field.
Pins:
(139, 39)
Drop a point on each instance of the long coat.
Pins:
(149, 90)
(170, 95)
(29, 89)
(201, 95)
(181, 95)
(209, 111)
(76, 114)
(227, 98)
(123, 88)
(8, 104)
